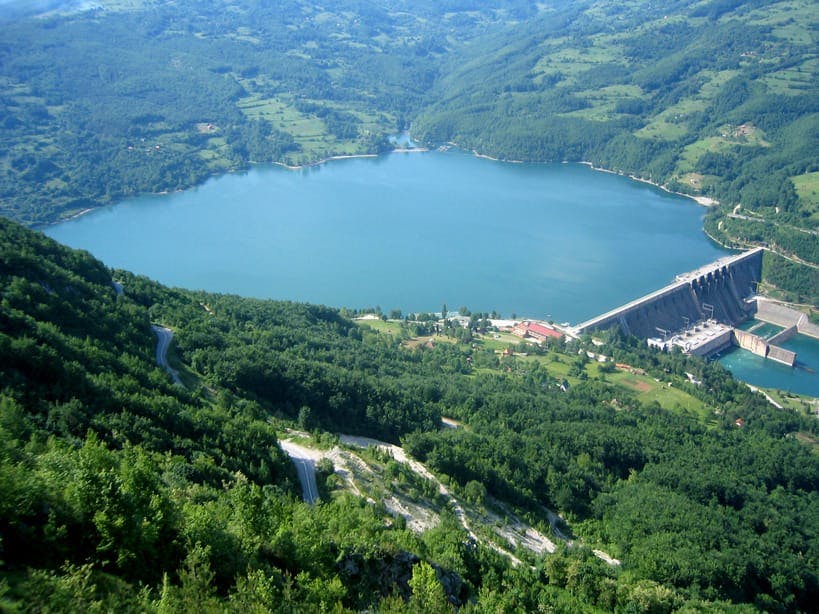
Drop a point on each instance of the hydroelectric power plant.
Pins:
(700, 311)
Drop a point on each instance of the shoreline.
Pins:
(486, 157)
(703, 201)
(233, 170)
(321, 161)
(297, 167)
(79, 214)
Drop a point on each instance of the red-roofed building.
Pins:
(521, 329)
(536, 331)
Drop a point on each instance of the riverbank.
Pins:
(297, 167)
(77, 215)
(485, 157)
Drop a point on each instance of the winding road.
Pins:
(305, 458)
(305, 463)
(163, 342)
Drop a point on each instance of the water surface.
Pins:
(410, 231)
(803, 378)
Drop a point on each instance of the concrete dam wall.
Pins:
(716, 291)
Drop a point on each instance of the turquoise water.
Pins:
(801, 379)
(410, 231)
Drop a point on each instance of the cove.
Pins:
(410, 231)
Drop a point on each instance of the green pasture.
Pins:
(662, 129)
(793, 81)
(807, 187)
(503, 341)
(604, 101)
(391, 327)
(793, 21)
(644, 387)
(572, 62)
(670, 124)
(309, 131)
(648, 390)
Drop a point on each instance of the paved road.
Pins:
(163, 342)
(305, 467)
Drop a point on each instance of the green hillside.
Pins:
(134, 97)
(122, 491)
(716, 99)
(664, 484)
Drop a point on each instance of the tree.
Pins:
(427, 592)
(475, 492)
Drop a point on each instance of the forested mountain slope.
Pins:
(716, 98)
(130, 97)
(120, 490)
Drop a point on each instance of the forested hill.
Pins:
(718, 99)
(103, 100)
(122, 491)
(117, 98)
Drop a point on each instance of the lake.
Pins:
(410, 231)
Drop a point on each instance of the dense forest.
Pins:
(121, 490)
(716, 98)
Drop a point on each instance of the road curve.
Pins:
(305, 467)
(163, 342)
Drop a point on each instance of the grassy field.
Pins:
(670, 123)
(645, 387)
(807, 187)
(649, 390)
(390, 327)
(604, 101)
(309, 131)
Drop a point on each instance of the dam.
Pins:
(717, 291)
(699, 311)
